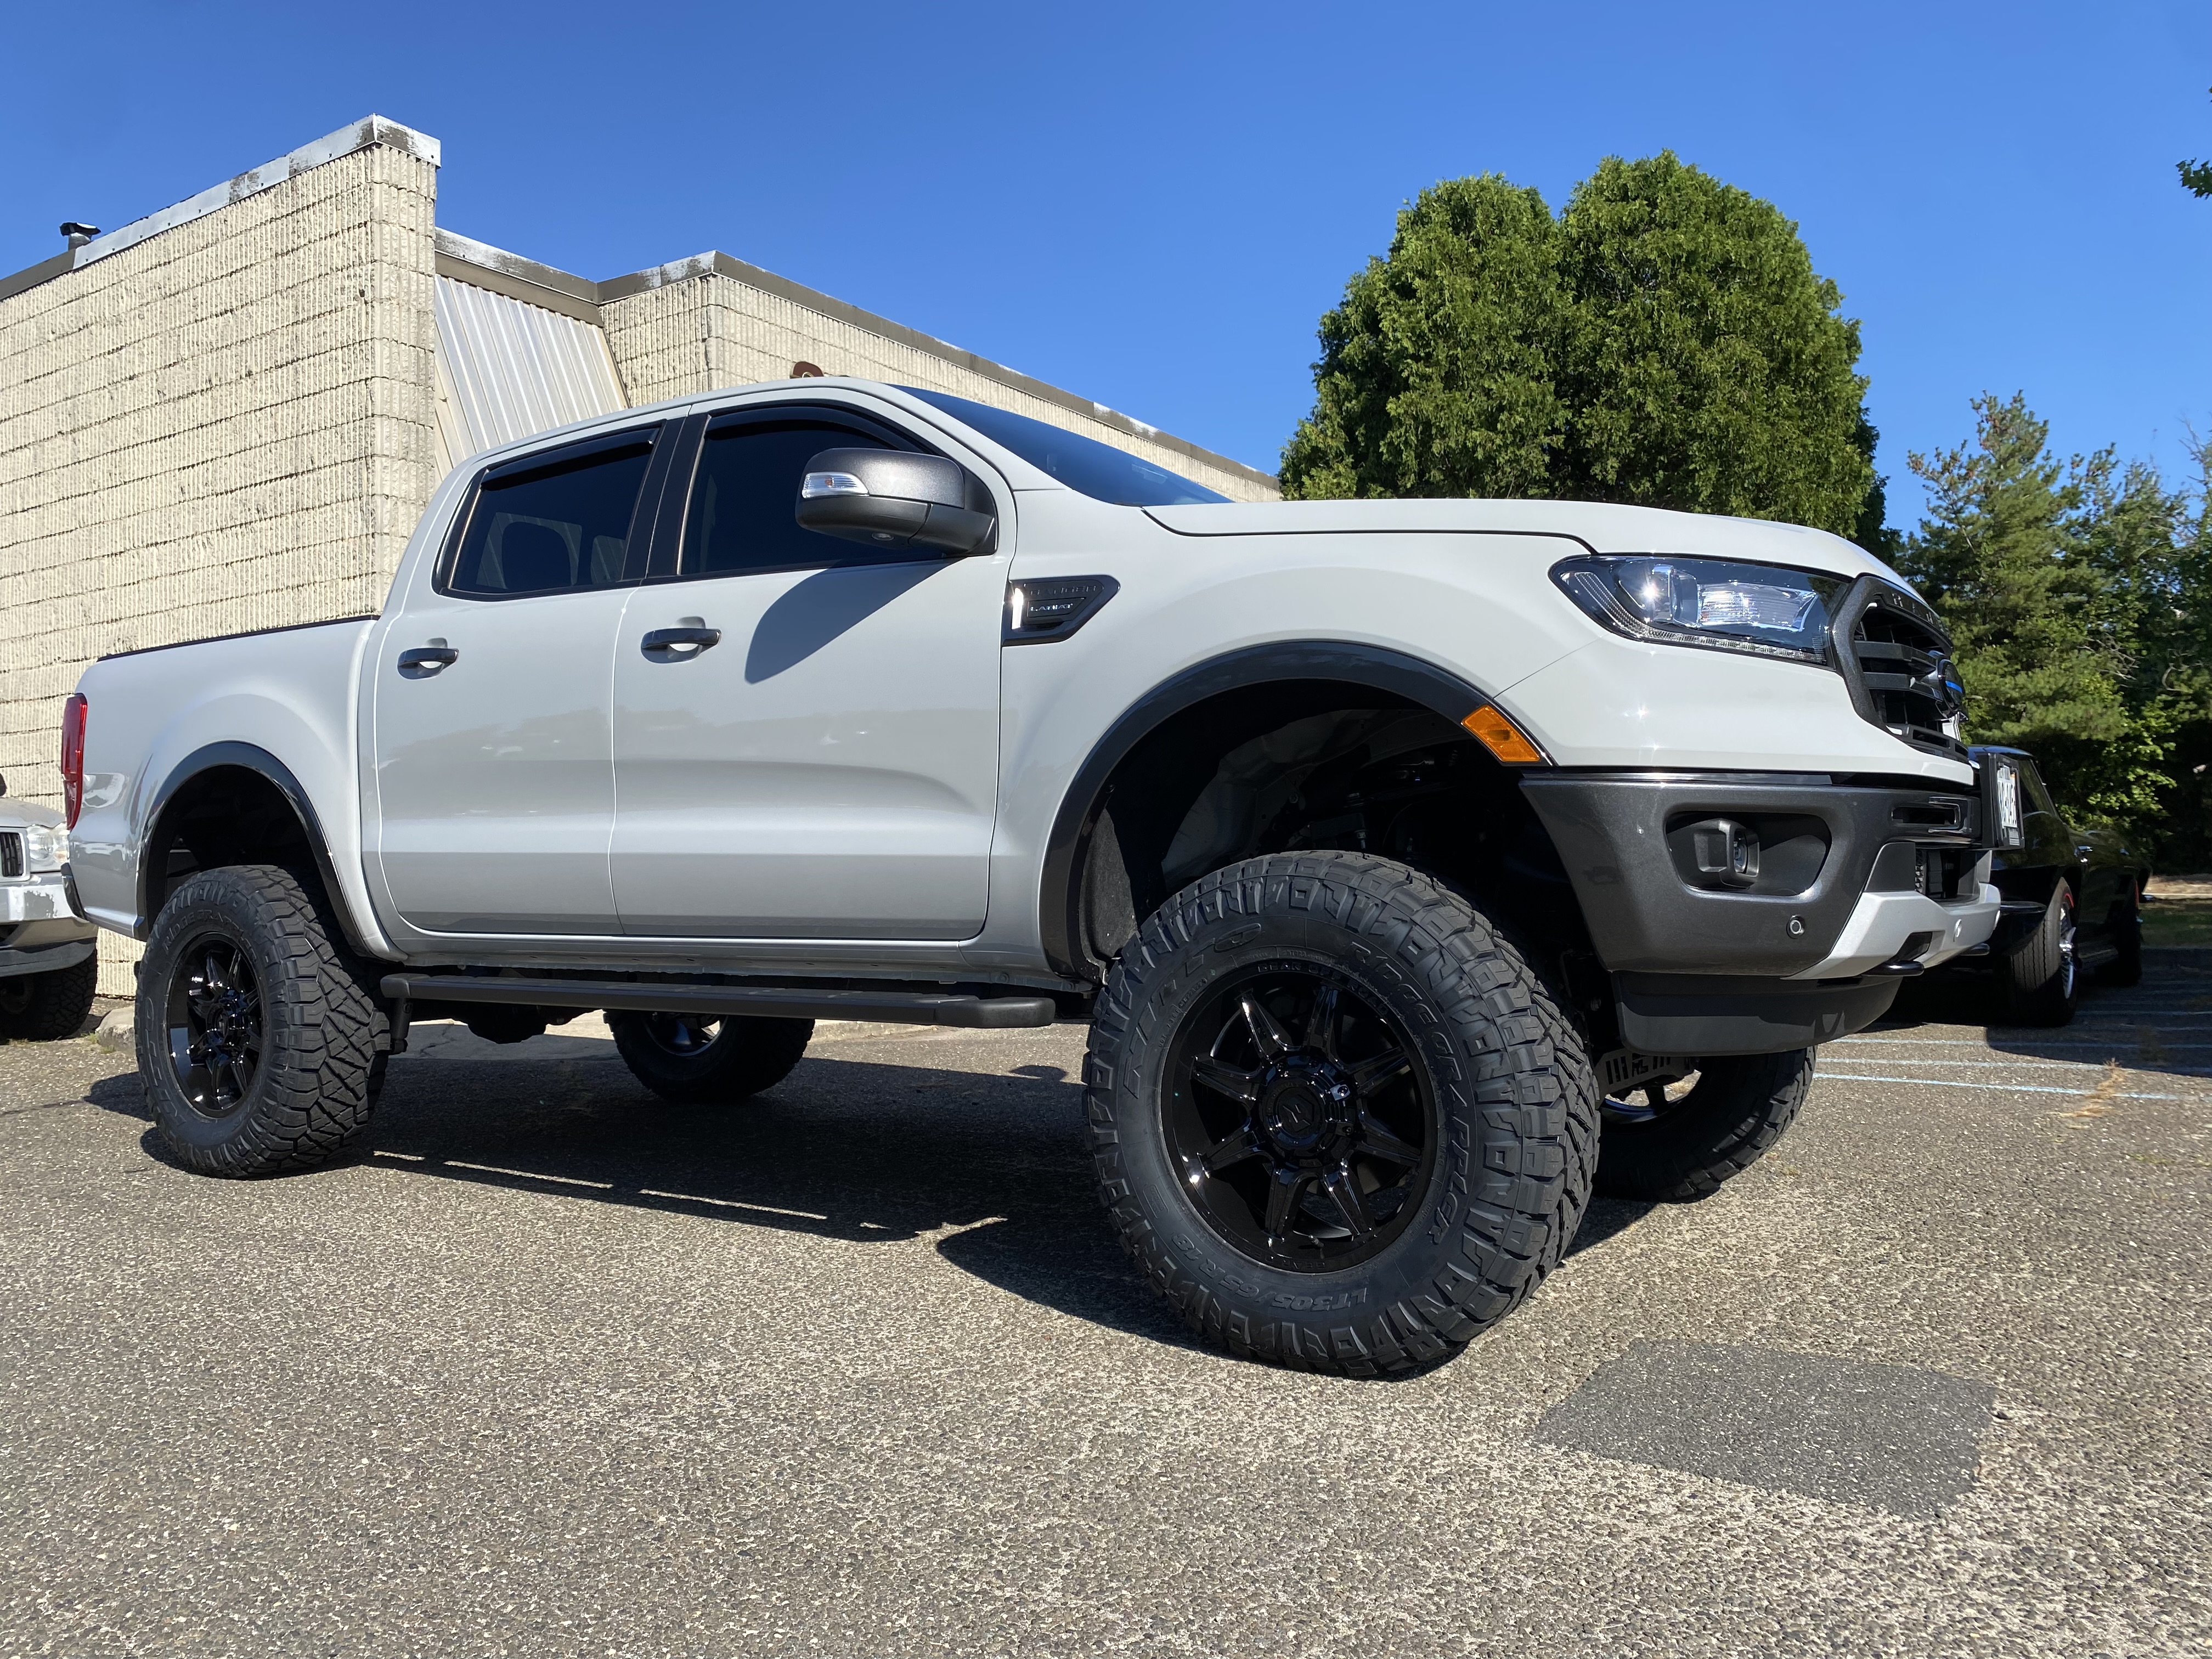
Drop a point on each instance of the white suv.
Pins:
(47, 949)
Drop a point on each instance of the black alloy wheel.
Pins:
(1675, 1138)
(1300, 1117)
(1641, 1103)
(214, 1028)
(260, 1037)
(683, 1035)
(1337, 1119)
(701, 1059)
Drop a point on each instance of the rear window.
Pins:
(553, 523)
(1099, 470)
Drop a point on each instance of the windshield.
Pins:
(1098, 470)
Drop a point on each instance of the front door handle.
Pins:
(427, 659)
(680, 644)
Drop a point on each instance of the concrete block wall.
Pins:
(701, 329)
(226, 426)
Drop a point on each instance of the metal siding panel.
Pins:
(510, 370)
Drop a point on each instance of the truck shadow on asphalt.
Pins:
(845, 1150)
(2160, 1025)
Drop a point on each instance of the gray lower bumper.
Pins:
(1707, 1014)
(43, 958)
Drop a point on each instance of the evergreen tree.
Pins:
(2046, 574)
(1437, 374)
(1666, 341)
(1706, 368)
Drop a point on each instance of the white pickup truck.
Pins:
(1419, 864)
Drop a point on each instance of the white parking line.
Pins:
(2000, 1088)
(1994, 1065)
(1977, 1043)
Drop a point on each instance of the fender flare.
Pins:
(1374, 668)
(250, 757)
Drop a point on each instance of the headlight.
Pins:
(1764, 609)
(46, 845)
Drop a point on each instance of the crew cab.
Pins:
(1420, 865)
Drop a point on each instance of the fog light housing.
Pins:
(1725, 852)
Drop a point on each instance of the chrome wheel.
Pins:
(215, 1025)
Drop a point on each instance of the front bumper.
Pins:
(1856, 887)
(40, 930)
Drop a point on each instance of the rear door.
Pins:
(494, 772)
(828, 767)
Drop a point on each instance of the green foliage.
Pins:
(1665, 342)
(2196, 176)
(2063, 583)
(1437, 371)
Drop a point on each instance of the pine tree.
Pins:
(2045, 572)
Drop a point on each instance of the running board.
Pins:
(725, 1001)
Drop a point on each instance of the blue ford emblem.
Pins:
(1950, 689)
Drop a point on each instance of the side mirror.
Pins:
(887, 498)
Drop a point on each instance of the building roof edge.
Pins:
(722, 264)
(354, 136)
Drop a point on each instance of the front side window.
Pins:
(743, 514)
(553, 524)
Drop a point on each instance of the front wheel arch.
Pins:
(1360, 674)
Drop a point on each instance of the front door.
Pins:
(494, 773)
(827, 766)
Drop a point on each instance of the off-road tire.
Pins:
(1514, 1102)
(43, 1008)
(1736, 1110)
(2126, 966)
(2040, 983)
(325, 1037)
(747, 1056)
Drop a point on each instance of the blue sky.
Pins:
(1152, 204)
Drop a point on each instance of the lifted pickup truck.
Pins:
(1418, 864)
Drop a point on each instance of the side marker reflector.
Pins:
(1502, 737)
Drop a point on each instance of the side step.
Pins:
(775, 1002)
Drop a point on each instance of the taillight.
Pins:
(73, 712)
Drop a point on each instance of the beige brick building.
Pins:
(227, 415)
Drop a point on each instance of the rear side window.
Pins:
(553, 523)
(744, 499)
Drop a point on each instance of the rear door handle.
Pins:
(677, 644)
(428, 659)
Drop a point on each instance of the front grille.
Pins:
(1898, 655)
(11, 853)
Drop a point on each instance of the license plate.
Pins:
(1624, 1068)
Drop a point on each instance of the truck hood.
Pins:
(15, 812)
(1601, 526)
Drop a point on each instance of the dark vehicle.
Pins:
(2072, 897)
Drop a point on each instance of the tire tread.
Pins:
(325, 1032)
(1530, 1182)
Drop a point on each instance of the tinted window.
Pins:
(745, 497)
(555, 526)
(1096, 469)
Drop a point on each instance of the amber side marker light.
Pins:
(1502, 737)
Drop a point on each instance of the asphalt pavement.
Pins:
(551, 1368)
